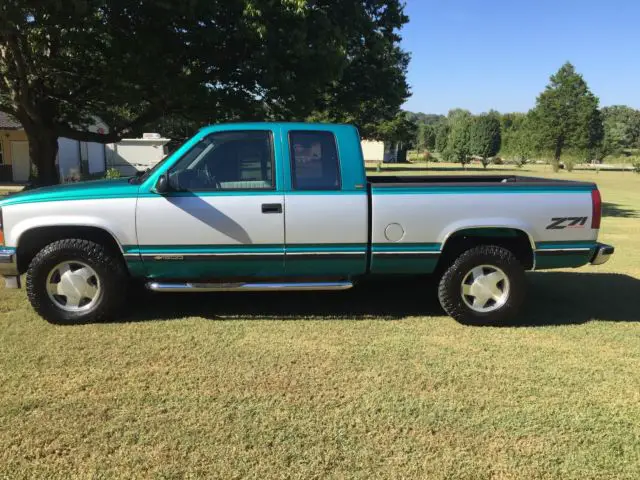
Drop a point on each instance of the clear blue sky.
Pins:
(483, 54)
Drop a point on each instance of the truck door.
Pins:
(223, 216)
(326, 226)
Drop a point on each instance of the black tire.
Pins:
(450, 287)
(110, 270)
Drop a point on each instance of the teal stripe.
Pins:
(217, 193)
(136, 267)
(393, 265)
(64, 198)
(334, 247)
(467, 189)
(348, 247)
(406, 247)
(204, 249)
(246, 193)
(326, 192)
(565, 244)
(8, 249)
(254, 193)
(266, 248)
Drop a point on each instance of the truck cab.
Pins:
(256, 200)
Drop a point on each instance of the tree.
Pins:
(426, 137)
(442, 136)
(522, 143)
(425, 118)
(484, 137)
(621, 129)
(400, 131)
(517, 137)
(66, 64)
(566, 116)
(458, 144)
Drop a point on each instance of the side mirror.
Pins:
(162, 185)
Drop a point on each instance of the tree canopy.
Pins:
(484, 137)
(458, 143)
(426, 137)
(400, 130)
(566, 115)
(65, 64)
(621, 129)
(442, 136)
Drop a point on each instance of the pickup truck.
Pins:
(288, 206)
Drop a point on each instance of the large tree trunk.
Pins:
(556, 156)
(43, 150)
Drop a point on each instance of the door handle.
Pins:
(271, 208)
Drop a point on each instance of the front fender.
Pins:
(115, 216)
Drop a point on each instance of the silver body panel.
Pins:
(116, 216)
(333, 219)
(435, 217)
(326, 218)
(209, 220)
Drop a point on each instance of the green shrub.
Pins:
(569, 164)
(636, 166)
(112, 173)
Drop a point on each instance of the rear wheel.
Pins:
(485, 285)
(75, 281)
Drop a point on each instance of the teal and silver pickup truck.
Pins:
(288, 206)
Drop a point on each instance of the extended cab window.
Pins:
(314, 161)
(238, 160)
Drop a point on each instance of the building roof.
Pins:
(7, 122)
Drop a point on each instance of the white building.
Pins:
(77, 160)
(131, 155)
(377, 151)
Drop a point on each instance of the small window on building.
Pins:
(314, 161)
(1, 154)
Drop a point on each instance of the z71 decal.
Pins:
(560, 223)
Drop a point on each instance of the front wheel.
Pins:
(486, 285)
(75, 281)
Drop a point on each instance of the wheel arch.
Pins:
(33, 240)
(516, 239)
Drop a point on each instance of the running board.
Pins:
(246, 287)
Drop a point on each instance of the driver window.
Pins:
(239, 160)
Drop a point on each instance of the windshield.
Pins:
(142, 176)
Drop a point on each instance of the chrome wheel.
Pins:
(73, 286)
(485, 289)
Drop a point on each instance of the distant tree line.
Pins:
(565, 126)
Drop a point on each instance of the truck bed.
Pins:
(413, 217)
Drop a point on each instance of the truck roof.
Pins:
(288, 125)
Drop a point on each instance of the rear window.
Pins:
(314, 161)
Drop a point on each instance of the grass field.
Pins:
(374, 382)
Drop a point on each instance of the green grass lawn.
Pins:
(373, 382)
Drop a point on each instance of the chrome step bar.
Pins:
(246, 287)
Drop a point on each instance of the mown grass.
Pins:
(375, 382)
